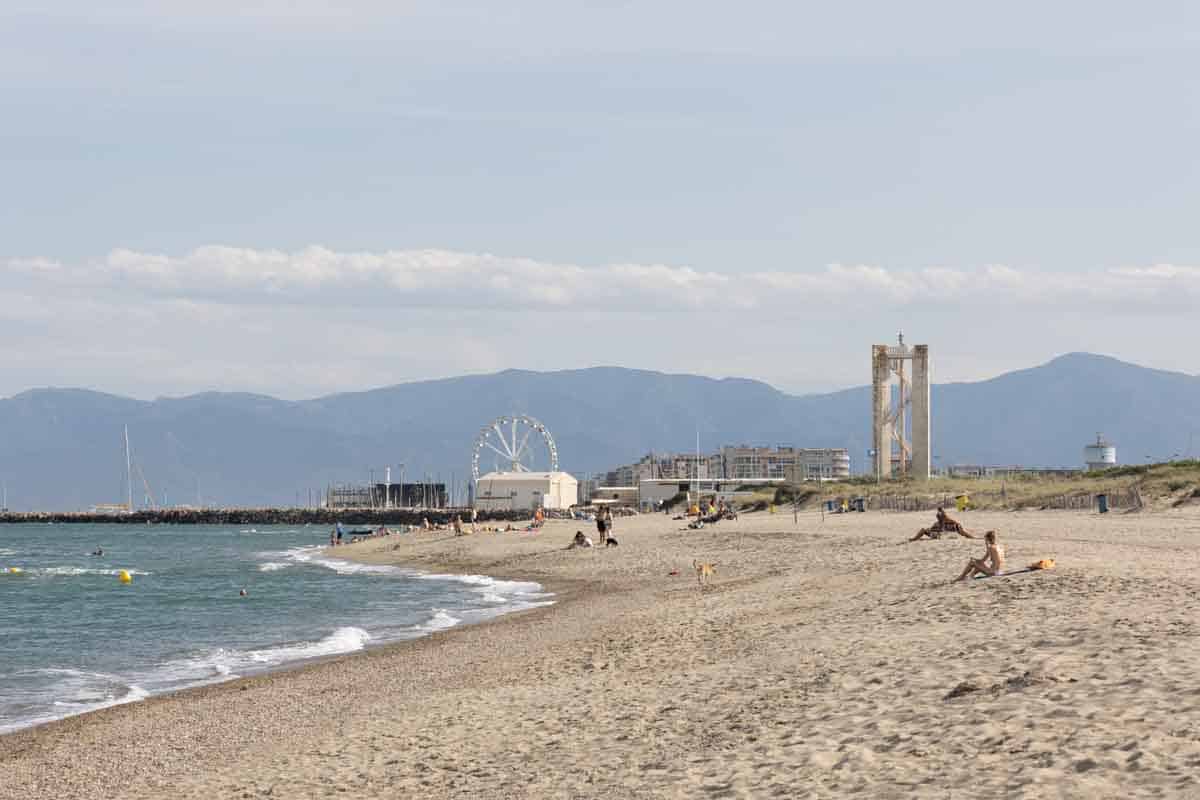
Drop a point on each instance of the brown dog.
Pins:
(704, 572)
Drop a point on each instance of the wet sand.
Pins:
(827, 659)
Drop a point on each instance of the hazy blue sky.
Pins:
(311, 196)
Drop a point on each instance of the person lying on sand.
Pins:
(580, 541)
(992, 562)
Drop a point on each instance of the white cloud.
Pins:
(315, 321)
(317, 276)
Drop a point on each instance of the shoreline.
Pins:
(548, 598)
(827, 657)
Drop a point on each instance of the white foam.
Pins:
(440, 621)
(84, 571)
(71, 691)
(312, 555)
(343, 640)
(483, 582)
(272, 566)
(225, 664)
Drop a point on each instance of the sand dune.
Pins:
(827, 659)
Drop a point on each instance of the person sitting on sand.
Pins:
(580, 541)
(933, 532)
(992, 562)
(947, 525)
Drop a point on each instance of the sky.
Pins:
(307, 197)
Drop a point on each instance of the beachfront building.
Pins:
(818, 464)
(793, 463)
(510, 491)
(654, 466)
(741, 462)
(652, 492)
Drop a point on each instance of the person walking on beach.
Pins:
(992, 562)
(602, 524)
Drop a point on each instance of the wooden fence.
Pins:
(1120, 499)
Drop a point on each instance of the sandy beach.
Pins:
(827, 659)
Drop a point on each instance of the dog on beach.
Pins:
(704, 572)
(611, 542)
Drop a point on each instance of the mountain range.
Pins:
(63, 449)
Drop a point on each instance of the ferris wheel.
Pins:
(508, 438)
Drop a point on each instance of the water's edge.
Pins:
(524, 596)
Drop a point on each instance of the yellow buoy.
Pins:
(14, 570)
(124, 577)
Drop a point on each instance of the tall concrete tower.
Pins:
(900, 424)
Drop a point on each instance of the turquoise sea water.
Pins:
(75, 639)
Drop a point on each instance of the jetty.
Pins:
(267, 516)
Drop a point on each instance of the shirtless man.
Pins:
(992, 562)
(944, 524)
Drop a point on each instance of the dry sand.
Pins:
(827, 659)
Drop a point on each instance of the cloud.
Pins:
(315, 321)
(318, 276)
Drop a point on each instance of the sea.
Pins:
(74, 638)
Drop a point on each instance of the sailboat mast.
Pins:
(128, 473)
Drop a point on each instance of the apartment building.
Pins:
(737, 463)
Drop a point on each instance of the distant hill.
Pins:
(61, 448)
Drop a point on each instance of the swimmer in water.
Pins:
(99, 551)
(242, 593)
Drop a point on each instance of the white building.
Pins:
(817, 464)
(509, 491)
